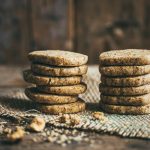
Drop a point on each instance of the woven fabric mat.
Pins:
(14, 103)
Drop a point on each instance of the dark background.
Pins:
(85, 26)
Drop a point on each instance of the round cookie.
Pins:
(124, 70)
(126, 100)
(75, 107)
(54, 81)
(128, 91)
(126, 81)
(58, 58)
(39, 97)
(128, 57)
(58, 71)
(64, 90)
(133, 110)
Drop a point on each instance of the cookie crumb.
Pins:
(75, 120)
(7, 130)
(64, 118)
(16, 135)
(51, 139)
(37, 124)
(34, 140)
(70, 119)
(99, 116)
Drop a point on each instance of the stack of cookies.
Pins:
(125, 81)
(57, 76)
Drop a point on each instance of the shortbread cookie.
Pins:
(126, 81)
(133, 110)
(128, 57)
(58, 58)
(58, 71)
(129, 91)
(39, 97)
(54, 81)
(64, 90)
(124, 70)
(75, 107)
(126, 100)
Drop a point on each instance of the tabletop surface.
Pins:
(11, 76)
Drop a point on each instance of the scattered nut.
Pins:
(37, 124)
(70, 119)
(99, 116)
(16, 135)
(7, 130)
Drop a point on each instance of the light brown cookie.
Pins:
(54, 81)
(58, 58)
(75, 107)
(133, 110)
(39, 97)
(128, 57)
(126, 81)
(58, 71)
(128, 91)
(64, 90)
(140, 100)
(120, 71)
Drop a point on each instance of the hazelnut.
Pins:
(17, 135)
(7, 130)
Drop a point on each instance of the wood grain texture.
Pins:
(106, 142)
(82, 26)
(111, 25)
(49, 24)
(13, 31)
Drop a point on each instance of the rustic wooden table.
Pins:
(10, 76)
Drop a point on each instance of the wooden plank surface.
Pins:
(106, 142)
(102, 141)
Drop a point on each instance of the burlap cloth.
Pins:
(14, 104)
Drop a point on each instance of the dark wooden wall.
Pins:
(85, 26)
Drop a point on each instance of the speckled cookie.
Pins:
(33, 94)
(58, 58)
(129, 91)
(126, 100)
(128, 57)
(126, 81)
(58, 71)
(64, 90)
(75, 107)
(120, 71)
(133, 110)
(54, 81)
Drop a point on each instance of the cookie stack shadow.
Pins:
(125, 81)
(57, 78)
